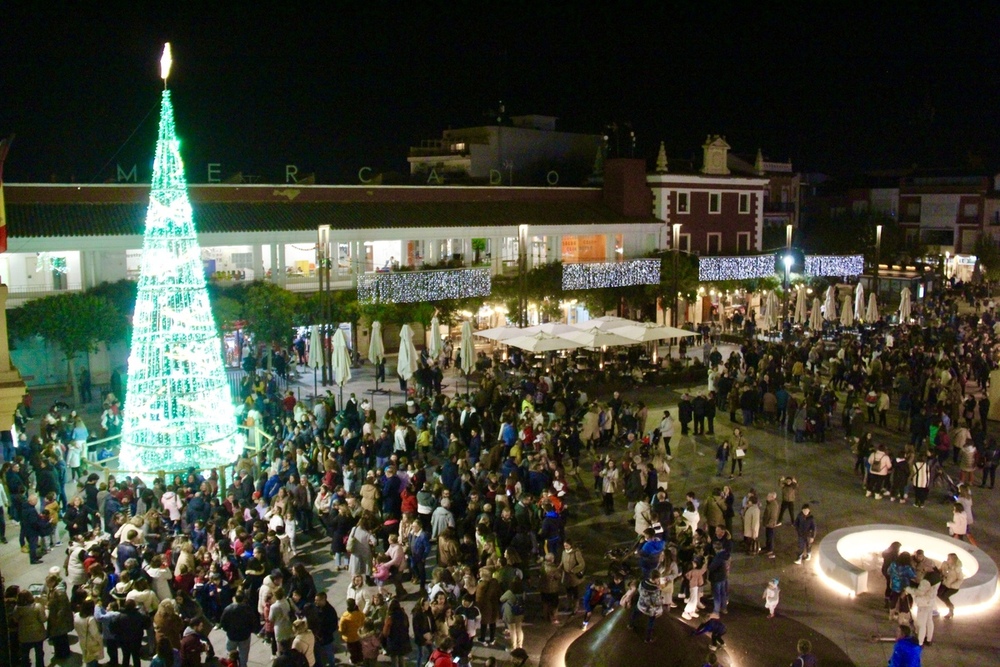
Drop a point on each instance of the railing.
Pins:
(24, 290)
(256, 441)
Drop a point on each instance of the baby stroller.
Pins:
(949, 484)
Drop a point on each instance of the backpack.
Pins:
(517, 606)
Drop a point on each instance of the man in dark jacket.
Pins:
(718, 570)
(685, 412)
(805, 526)
(32, 526)
(323, 621)
(698, 411)
(130, 628)
(238, 621)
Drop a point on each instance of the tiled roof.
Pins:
(34, 220)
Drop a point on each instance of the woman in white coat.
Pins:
(89, 632)
(924, 599)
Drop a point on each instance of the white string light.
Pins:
(597, 275)
(835, 265)
(417, 286)
(711, 269)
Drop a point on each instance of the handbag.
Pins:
(740, 452)
(350, 541)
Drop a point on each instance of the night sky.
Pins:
(838, 88)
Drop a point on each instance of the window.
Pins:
(242, 260)
(743, 242)
(970, 210)
(714, 202)
(913, 210)
(685, 243)
(744, 202)
(683, 202)
(715, 243)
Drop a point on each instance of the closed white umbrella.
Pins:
(341, 362)
(434, 348)
(859, 302)
(816, 317)
(467, 348)
(541, 342)
(830, 305)
(801, 308)
(376, 350)
(904, 305)
(846, 313)
(315, 354)
(468, 352)
(771, 316)
(871, 314)
(315, 346)
(406, 363)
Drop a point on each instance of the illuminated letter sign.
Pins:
(495, 177)
(130, 177)
(214, 171)
(290, 171)
(363, 174)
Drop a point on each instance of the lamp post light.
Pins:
(878, 258)
(787, 260)
(522, 275)
(323, 273)
(675, 244)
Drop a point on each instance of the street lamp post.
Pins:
(323, 273)
(787, 260)
(878, 258)
(675, 244)
(522, 275)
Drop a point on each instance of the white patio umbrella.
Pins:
(830, 305)
(315, 354)
(315, 346)
(341, 362)
(542, 342)
(597, 338)
(467, 349)
(376, 349)
(846, 313)
(434, 348)
(871, 314)
(468, 352)
(406, 363)
(859, 302)
(605, 323)
(645, 332)
(500, 333)
(904, 305)
(771, 316)
(801, 308)
(816, 317)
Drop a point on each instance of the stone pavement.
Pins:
(826, 481)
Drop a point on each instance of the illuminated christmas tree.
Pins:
(178, 407)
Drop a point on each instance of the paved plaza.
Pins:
(826, 481)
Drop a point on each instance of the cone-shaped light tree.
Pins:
(178, 408)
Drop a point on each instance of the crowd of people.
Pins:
(448, 513)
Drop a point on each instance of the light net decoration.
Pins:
(178, 409)
(746, 267)
(835, 265)
(417, 286)
(596, 275)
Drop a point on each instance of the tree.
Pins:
(854, 232)
(74, 322)
(987, 253)
(269, 311)
(179, 410)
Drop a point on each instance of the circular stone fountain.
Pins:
(846, 556)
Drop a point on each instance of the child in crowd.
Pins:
(771, 595)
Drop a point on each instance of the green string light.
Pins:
(178, 409)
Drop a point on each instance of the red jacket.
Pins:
(441, 659)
